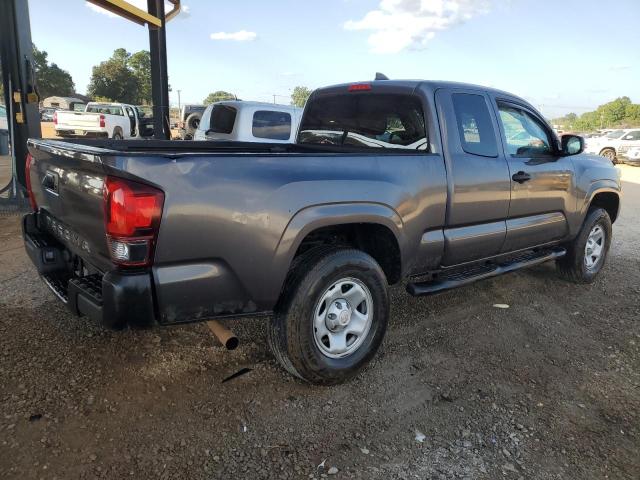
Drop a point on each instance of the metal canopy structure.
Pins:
(20, 92)
(20, 83)
(156, 20)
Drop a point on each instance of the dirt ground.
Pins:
(546, 389)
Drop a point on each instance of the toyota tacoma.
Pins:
(435, 184)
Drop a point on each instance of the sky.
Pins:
(563, 55)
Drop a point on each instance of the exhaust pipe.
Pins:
(225, 336)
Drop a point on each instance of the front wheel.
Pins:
(609, 153)
(333, 315)
(587, 253)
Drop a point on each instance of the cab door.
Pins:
(479, 187)
(541, 179)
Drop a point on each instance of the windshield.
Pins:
(615, 134)
(365, 120)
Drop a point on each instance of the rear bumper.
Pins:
(115, 298)
(81, 133)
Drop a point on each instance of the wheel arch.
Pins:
(360, 223)
(606, 195)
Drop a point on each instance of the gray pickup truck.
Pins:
(437, 184)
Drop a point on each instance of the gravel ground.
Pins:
(548, 388)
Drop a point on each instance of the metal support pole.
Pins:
(159, 77)
(18, 77)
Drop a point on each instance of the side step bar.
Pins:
(447, 280)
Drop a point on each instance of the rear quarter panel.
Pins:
(231, 224)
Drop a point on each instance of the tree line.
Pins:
(619, 113)
(124, 77)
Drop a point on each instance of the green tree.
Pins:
(619, 113)
(51, 79)
(114, 79)
(218, 96)
(299, 96)
(140, 65)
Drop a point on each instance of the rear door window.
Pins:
(477, 135)
(272, 125)
(365, 120)
(223, 118)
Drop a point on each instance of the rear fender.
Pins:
(312, 218)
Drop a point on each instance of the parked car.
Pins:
(189, 120)
(313, 233)
(242, 121)
(46, 114)
(614, 143)
(4, 124)
(102, 120)
(632, 156)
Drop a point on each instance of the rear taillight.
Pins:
(132, 220)
(55, 118)
(102, 122)
(27, 172)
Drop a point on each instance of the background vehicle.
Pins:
(4, 124)
(189, 120)
(614, 143)
(314, 232)
(110, 120)
(249, 122)
(46, 114)
(632, 156)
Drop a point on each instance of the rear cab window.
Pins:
(368, 120)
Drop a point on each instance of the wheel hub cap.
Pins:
(342, 318)
(594, 249)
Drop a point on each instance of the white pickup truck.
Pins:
(103, 120)
(614, 144)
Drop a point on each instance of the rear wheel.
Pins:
(332, 317)
(117, 135)
(587, 253)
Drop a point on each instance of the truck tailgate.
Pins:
(78, 120)
(67, 185)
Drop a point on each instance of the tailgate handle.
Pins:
(50, 182)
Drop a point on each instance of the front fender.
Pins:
(596, 187)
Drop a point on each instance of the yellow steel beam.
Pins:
(128, 11)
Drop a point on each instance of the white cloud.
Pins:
(619, 68)
(239, 36)
(400, 24)
(142, 5)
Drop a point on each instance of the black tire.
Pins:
(117, 135)
(573, 266)
(192, 123)
(609, 153)
(291, 331)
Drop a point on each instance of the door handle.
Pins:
(521, 177)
